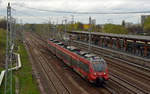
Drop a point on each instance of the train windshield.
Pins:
(99, 65)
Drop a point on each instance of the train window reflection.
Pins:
(99, 66)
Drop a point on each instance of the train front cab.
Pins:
(98, 72)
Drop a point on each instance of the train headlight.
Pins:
(95, 73)
(104, 73)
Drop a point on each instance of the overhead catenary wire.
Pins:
(85, 12)
(23, 10)
(18, 12)
(26, 14)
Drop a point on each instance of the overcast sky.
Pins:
(35, 16)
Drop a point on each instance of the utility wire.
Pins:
(39, 10)
(71, 12)
(27, 14)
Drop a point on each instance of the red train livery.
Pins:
(89, 66)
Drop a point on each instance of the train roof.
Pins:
(60, 43)
(74, 49)
(93, 57)
(83, 52)
(71, 47)
(89, 55)
(56, 41)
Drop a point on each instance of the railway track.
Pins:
(108, 88)
(101, 91)
(105, 90)
(131, 76)
(137, 78)
(46, 62)
(127, 87)
(55, 81)
(118, 83)
(110, 54)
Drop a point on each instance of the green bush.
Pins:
(116, 29)
(147, 25)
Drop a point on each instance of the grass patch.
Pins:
(2, 41)
(27, 84)
(3, 86)
(1, 69)
(2, 47)
(2, 62)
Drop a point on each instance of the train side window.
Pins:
(84, 66)
(81, 65)
(53, 48)
(87, 68)
(77, 63)
(60, 53)
(65, 56)
(148, 50)
(71, 61)
(74, 62)
(68, 58)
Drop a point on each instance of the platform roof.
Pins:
(123, 36)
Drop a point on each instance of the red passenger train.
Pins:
(89, 66)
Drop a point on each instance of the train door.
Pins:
(58, 52)
(73, 62)
(83, 68)
(149, 50)
(55, 49)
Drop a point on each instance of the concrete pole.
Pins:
(89, 48)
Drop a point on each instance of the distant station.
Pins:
(134, 44)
